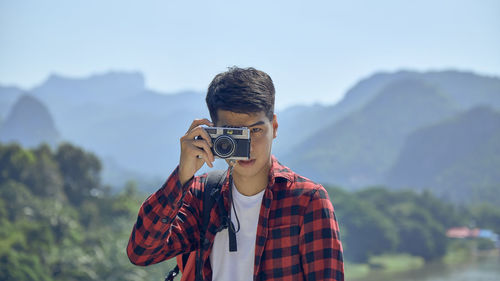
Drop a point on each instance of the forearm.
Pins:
(151, 240)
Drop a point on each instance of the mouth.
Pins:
(246, 163)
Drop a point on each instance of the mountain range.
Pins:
(29, 123)
(460, 155)
(365, 139)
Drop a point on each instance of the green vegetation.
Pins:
(376, 221)
(58, 222)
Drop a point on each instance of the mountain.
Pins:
(358, 149)
(353, 143)
(127, 125)
(458, 158)
(465, 89)
(29, 123)
(102, 89)
(8, 96)
(296, 122)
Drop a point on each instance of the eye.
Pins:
(256, 130)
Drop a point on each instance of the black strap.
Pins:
(213, 182)
(213, 185)
(233, 246)
(172, 273)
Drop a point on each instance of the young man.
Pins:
(287, 226)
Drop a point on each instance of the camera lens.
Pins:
(224, 146)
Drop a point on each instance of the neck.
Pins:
(249, 187)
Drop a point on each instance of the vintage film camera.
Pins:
(230, 143)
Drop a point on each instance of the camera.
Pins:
(230, 143)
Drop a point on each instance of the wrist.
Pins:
(184, 177)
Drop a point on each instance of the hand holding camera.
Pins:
(203, 144)
(195, 150)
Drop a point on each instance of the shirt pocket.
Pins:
(284, 235)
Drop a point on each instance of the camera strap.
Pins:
(233, 247)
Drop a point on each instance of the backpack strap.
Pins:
(213, 184)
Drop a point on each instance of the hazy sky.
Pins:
(313, 50)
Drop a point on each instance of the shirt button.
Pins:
(164, 220)
(206, 243)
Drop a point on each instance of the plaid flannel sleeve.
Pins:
(167, 223)
(320, 245)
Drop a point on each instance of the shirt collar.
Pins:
(276, 171)
(279, 171)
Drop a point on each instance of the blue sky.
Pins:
(313, 50)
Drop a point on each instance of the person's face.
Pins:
(262, 133)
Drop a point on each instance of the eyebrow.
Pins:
(249, 126)
(256, 124)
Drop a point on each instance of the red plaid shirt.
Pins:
(297, 235)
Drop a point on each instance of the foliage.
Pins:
(485, 216)
(57, 222)
(80, 171)
(377, 221)
(365, 230)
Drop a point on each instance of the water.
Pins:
(479, 269)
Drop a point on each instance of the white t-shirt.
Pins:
(239, 265)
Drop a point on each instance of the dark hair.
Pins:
(241, 90)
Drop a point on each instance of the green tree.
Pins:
(420, 235)
(46, 179)
(36, 169)
(421, 219)
(16, 164)
(365, 230)
(16, 265)
(80, 171)
(486, 216)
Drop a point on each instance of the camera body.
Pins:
(230, 143)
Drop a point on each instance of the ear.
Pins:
(275, 126)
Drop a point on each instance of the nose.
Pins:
(251, 149)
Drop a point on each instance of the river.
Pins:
(486, 268)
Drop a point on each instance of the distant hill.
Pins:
(354, 143)
(8, 96)
(465, 89)
(357, 150)
(458, 159)
(297, 122)
(130, 127)
(102, 88)
(29, 123)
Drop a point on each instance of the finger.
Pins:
(203, 155)
(200, 132)
(198, 122)
(202, 144)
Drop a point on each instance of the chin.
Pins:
(250, 168)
